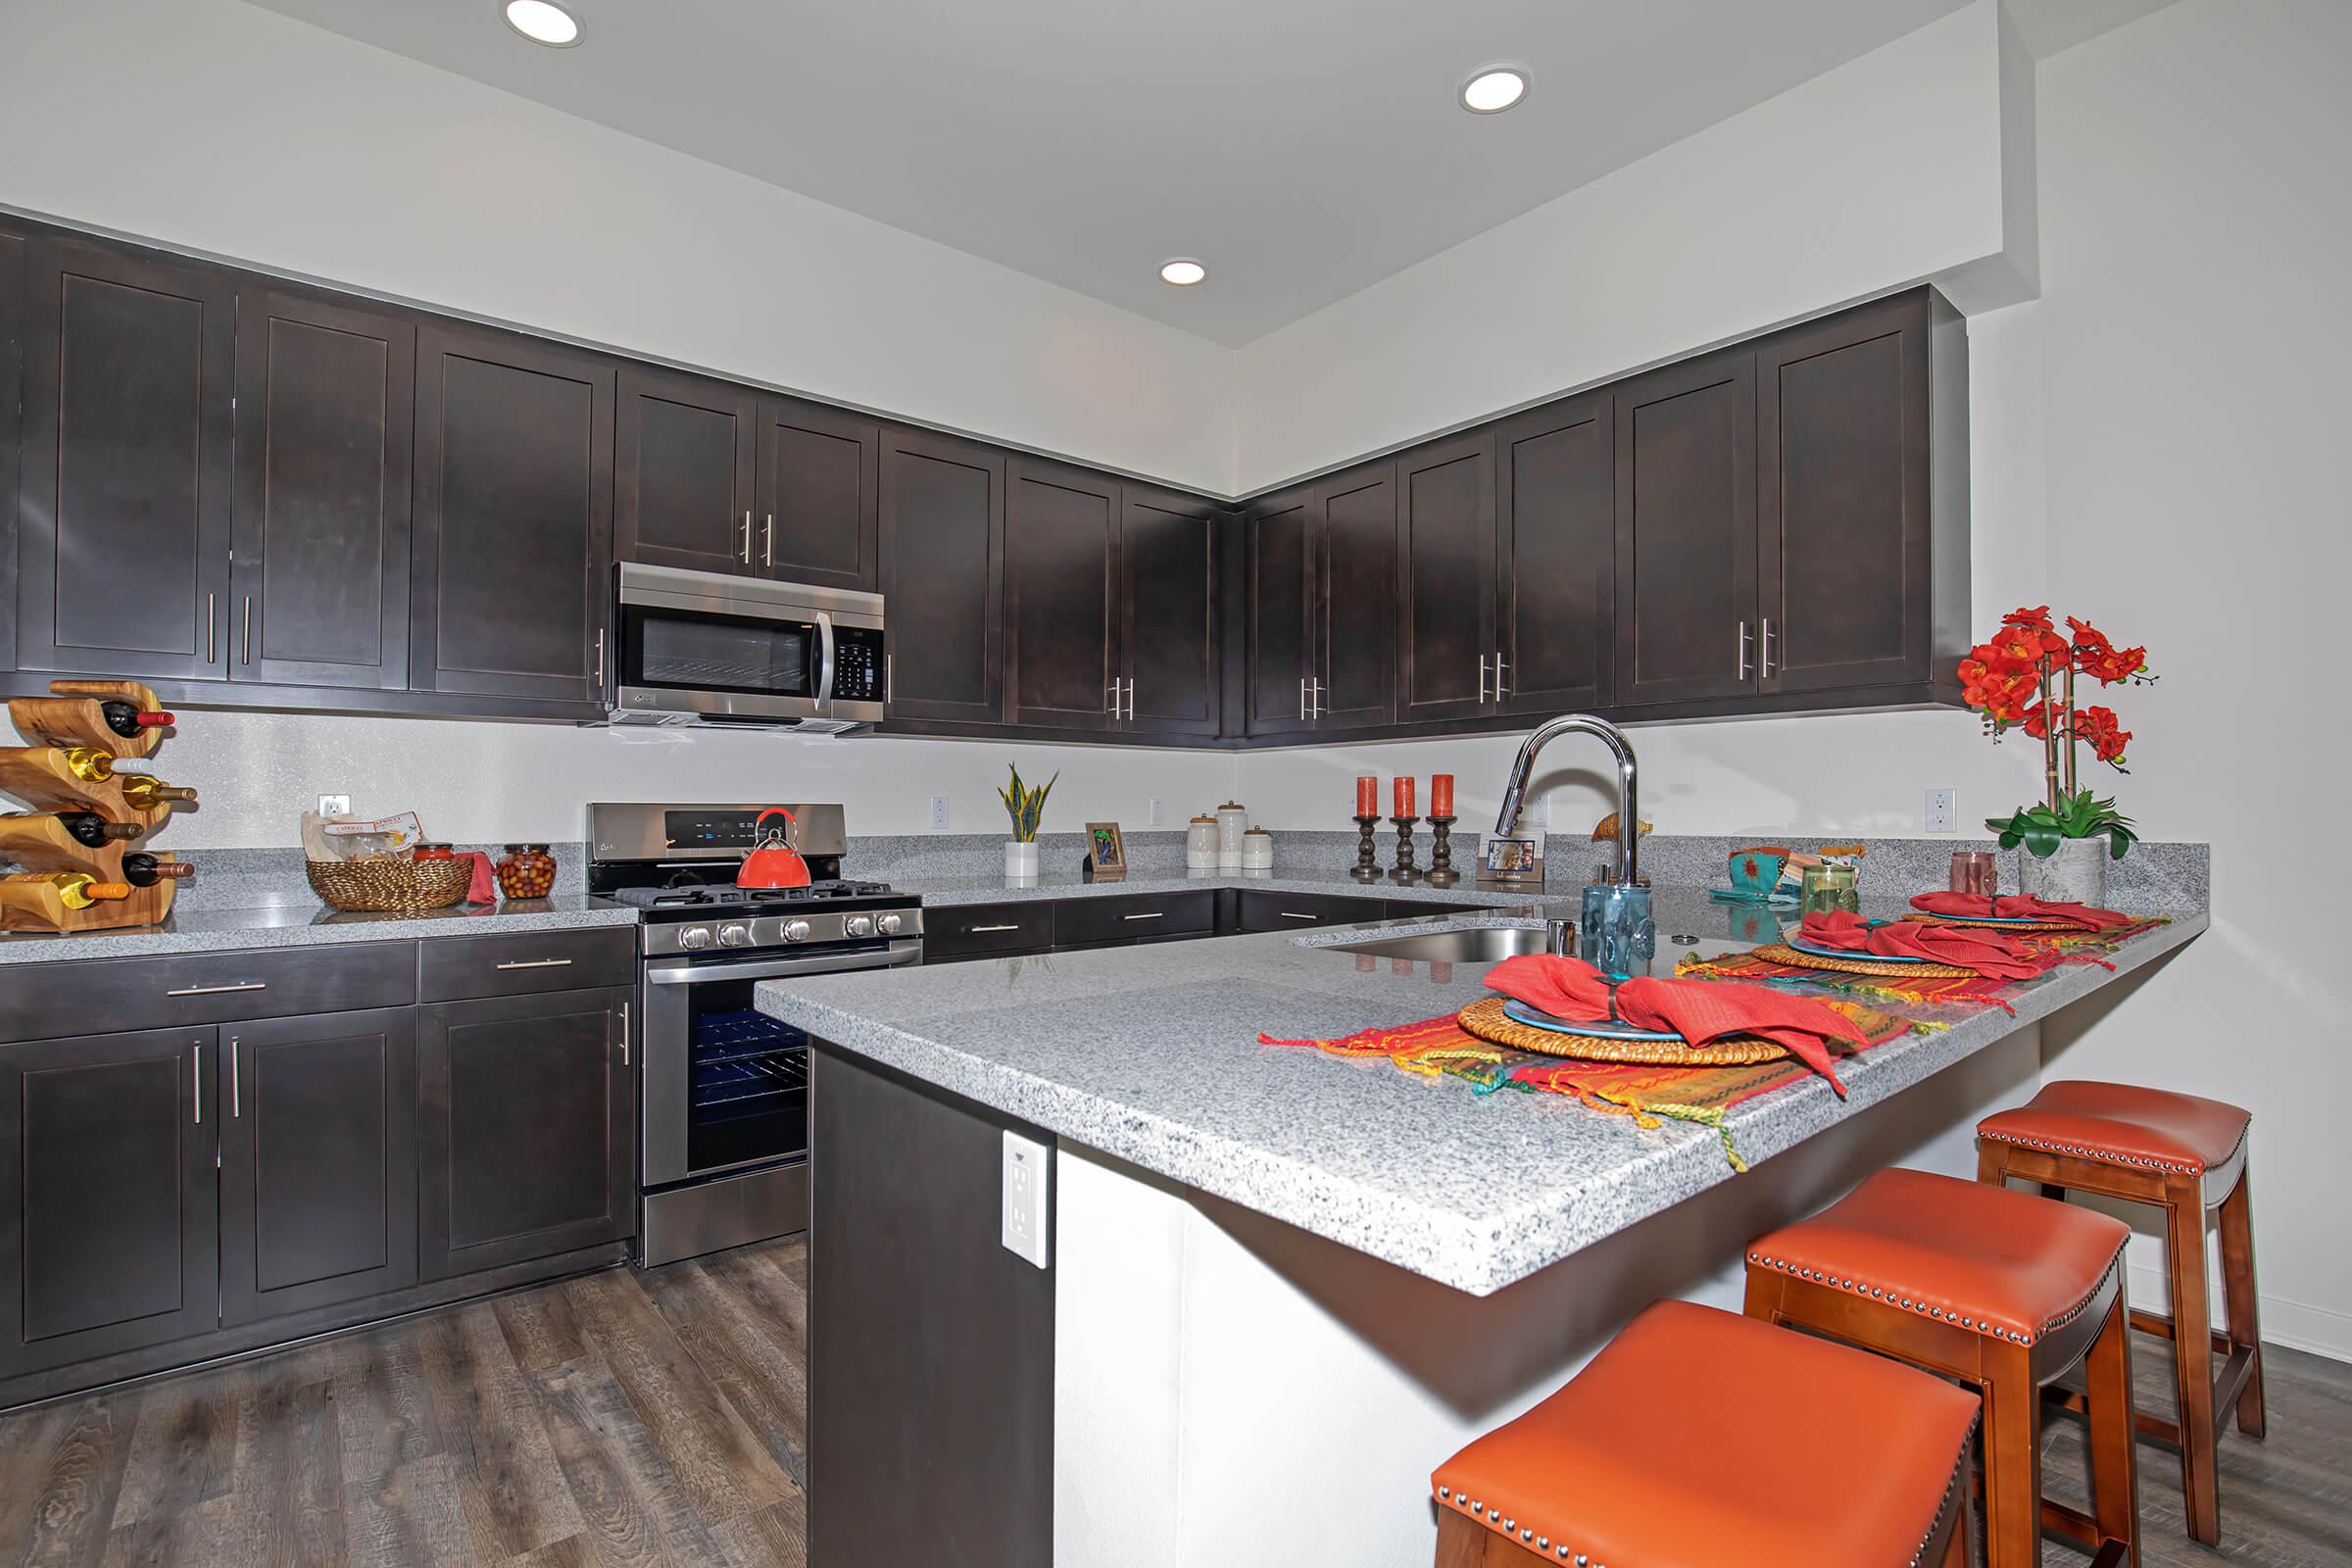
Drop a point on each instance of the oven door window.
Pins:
(689, 651)
(746, 1086)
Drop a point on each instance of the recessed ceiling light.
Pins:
(1491, 89)
(1181, 271)
(544, 22)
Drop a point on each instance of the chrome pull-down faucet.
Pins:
(1629, 801)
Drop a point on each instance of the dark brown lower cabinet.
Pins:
(318, 1161)
(526, 1128)
(108, 1201)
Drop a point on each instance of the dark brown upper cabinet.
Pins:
(1061, 576)
(1555, 549)
(1170, 629)
(1354, 682)
(1687, 532)
(514, 520)
(318, 1160)
(326, 399)
(12, 375)
(943, 576)
(107, 1205)
(1856, 589)
(818, 495)
(685, 453)
(1445, 558)
(1279, 584)
(124, 509)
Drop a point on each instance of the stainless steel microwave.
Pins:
(703, 648)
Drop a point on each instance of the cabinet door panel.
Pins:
(106, 1194)
(1687, 532)
(1061, 549)
(943, 563)
(1445, 542)
(1556, 540)
(819, 495)
(514, 516)
(683, 457)
(526, 1129)
(12, 369)
(1281, 582)
(1842, 504)
(326, 399)
(1168, 611)
(1356, 660)
(122, 565)
(318, 1161)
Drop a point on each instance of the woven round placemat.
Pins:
(1487, 1020)
(1998, 925)
(1859, 963)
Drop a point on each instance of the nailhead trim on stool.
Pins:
(2105, 1156)
(1895, 1297)
(1952, 1489)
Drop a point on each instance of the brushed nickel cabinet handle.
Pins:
(535, 963)
(767, 541)
(196, 1072)
(1321, 708)
(982, 930)
(1131, 699)
(209, 645)
(1156, 914)
(245, 636)
(747, 536)
(1481, 679)
(624, 1034)
(1500, 690)
(236, 1090)
(889, 677)
(600, 659)
(1293, 914)
(1115, 697)
(1764, 650)
(215, 991)
(1745, 664)
(1302, 699)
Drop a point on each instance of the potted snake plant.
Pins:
(1027, 808)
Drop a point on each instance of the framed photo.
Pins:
(1511, 862)
(1105, 852)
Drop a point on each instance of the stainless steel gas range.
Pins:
(724, 1149)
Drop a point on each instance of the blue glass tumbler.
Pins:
(1618, 937)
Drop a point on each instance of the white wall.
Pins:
(222, 127)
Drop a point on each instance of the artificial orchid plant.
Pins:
(2024, 679)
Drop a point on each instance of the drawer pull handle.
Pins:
(536, 964)
(1156, 914)
(215, 991)
(982, 930)
(1293, 914)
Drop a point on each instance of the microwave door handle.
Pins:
(824, 658)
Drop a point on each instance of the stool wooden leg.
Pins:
(1958, 1553)
(1461, 1540)
(2192, 1356)
(2114, 1457)
(1992, 1162)
(2012, 1460)
(2237, 1283)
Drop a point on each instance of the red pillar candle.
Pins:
(1367, 795)
(1441, 794)
(1405, 794)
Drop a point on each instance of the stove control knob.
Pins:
(695, 938)
(888, 924)
(737, 935)
(860, 925)
(796, 931)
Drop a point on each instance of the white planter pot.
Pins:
(2076, 872)
(1020, 859)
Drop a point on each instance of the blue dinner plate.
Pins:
(1820, 952)
(1520, 1011)
(1994, 920)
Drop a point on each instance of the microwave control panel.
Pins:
(858, 673)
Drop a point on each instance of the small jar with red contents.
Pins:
(526, 871)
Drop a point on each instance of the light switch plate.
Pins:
(334, 805)
(1159, 811)
(1028, 1186)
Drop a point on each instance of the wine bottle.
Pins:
(90, 763)
(76, 890)
(88, 827)
(127, 720)
(147, 792)
(143, 870)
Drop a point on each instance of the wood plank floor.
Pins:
(630, 1418)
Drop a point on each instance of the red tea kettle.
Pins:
(773, 862)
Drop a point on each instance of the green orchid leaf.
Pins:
(2041, 842)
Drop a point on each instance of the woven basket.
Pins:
(1487, 1020)
(386, 885)
(1860, 963)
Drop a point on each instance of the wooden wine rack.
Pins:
(38, 776)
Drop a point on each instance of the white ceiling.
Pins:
(1302, 148)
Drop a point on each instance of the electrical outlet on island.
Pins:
(1944, 811)
(1028, 1178)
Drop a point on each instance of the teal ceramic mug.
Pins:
(1756, 871)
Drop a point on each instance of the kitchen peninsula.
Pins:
(1260, 1257)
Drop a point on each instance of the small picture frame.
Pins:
(1511, 862)
(1105, 852)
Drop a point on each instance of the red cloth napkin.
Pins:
(1988, 952)
(1699, 1010)
(1976, 907)
(483, 889)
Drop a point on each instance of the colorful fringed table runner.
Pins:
(2059, 947)
(1440, 1048)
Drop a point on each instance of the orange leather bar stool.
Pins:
(1698, 1436)
(2187, 1155)
(2003, 1291)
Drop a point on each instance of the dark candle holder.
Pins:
(1441, 873)
(1367, 855)
(1404, 871)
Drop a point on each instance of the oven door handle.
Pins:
(824, 658)
(897, 955)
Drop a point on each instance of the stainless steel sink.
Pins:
(1483, 945)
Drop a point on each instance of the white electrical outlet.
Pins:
(334, 805)
(1944, 811)
(1159, 811)
(939, 813)
(1028, 1179)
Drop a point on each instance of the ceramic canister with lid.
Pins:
(1232, 821)
(1257, 850)
(1200, 845)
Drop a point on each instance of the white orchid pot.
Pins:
(1020, 859)
(2076, 872)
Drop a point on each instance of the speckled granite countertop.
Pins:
(947, 892)
(1151, 1054)
(296, 925)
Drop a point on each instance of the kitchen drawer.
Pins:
(1293, 912)
(457, 968)
(80, 995)
(987, 930)
(1113, 917)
